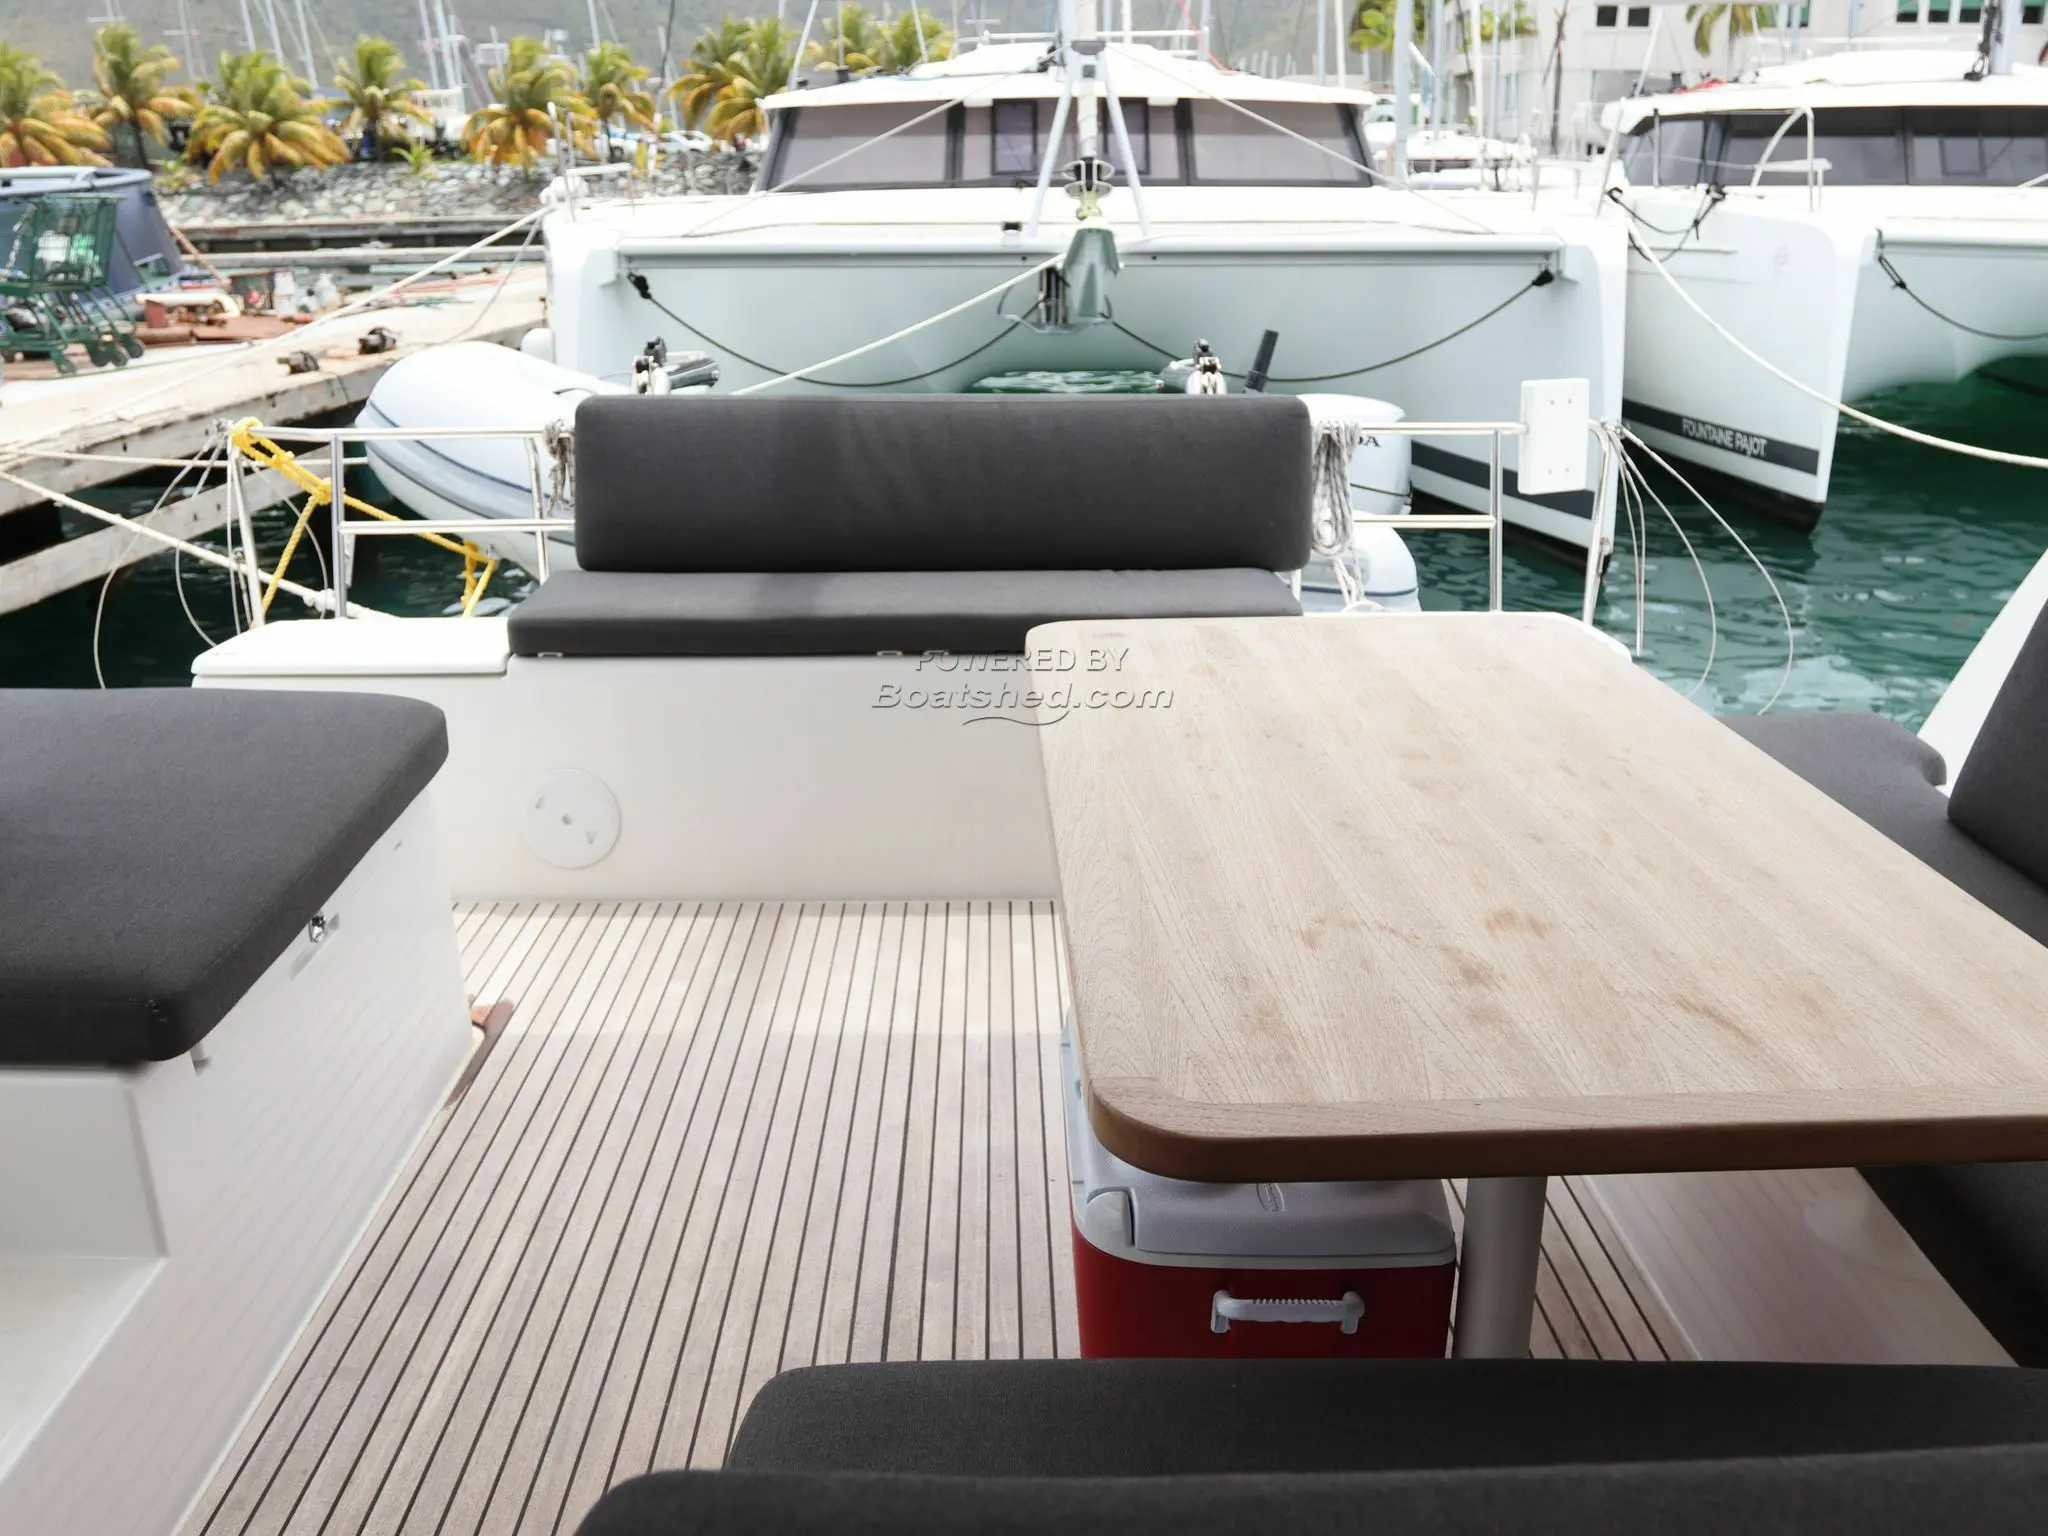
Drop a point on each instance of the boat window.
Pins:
(810, 137)
(1858, 147)
(1014, 149)
(1977, 146)
(1230, 147)
(1680, 143)
(1001, 146)
(1138, 128)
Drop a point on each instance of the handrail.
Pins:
(1812, 167)
(542, 526)
(333, 492)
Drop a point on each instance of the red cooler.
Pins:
(1258, 1271)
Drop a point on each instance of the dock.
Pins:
(102, 425)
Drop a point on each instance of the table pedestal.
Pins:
(1497, 1268)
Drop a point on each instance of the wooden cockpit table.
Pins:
(1471, 895)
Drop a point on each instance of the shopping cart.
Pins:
(53, 284)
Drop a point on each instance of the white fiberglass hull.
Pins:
(1809, 294)
(1443, 321)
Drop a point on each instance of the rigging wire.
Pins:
(1927, 439)
(1699, 567)
(1899, 283)
(979, 84)
(1542, 279)
(99, 612)
(641, 287)
(1478, 226)
(897, 335)
(1784, 610)
(17, 454)
(1711, 199)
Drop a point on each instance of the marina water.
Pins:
(1916, 553)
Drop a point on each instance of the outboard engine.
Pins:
(1201, 374)
(650, 369)
(655, 373)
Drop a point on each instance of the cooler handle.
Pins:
(1225, 1309)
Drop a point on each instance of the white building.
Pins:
(1606, 49)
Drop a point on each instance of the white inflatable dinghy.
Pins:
(479, 384)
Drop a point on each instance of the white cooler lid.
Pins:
(1378, 1222)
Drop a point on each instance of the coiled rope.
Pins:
(1337, 437)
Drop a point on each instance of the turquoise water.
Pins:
(1916, 553)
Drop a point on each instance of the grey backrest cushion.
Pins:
(2001, 793)
(942, 483)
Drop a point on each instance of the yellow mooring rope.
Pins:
(477, 567)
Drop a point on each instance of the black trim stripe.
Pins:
(1708, 434)
(1455, 466)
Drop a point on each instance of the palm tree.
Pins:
(610, 85)
(899, 40)
(258, 118)
(707, 72)
(849, 39)
(39, 122)
(133, 101)
(1512, 21)
(517, 127)
(1372, 26)
(732, 70)
(380, 103)
(759, 70)
(1743, 21)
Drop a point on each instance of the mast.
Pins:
(1436, 65)
(1404, 44)
(306, 47)
(1997, 38)
(433, 53)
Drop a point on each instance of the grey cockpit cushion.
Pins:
(1553, 1447)
(1991, 1490)
(1889, 777)
(1984, 1226)
(159, 848)
(846, 526)
(850, 613)
(2001, 794)
(942, 483)
(1176, 1418)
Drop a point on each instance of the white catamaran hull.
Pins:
(1446, 322)
(1815, 296)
